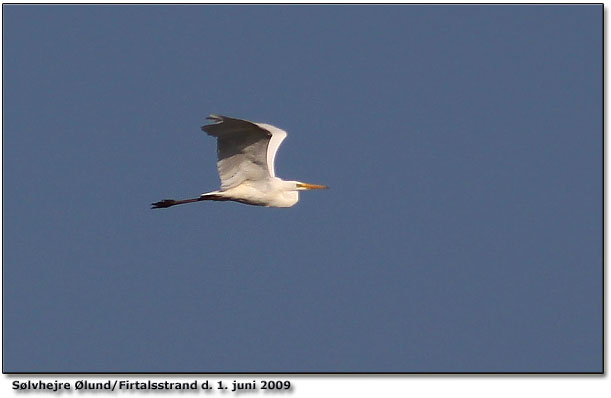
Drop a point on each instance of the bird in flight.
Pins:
(246, 152)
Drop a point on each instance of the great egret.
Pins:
(246, 153)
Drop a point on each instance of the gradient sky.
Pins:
(462, 231)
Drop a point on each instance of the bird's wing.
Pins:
(278, 135)
(246, 150)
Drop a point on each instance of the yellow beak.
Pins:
(303, 185)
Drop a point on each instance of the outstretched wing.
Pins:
(246, 150)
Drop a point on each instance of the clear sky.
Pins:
(462, 231)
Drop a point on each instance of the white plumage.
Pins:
(246, 153)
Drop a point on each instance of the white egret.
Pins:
(246, 153)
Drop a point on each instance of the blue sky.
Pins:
(462, 231)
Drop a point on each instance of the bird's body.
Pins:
(246, 153)
(268, 192)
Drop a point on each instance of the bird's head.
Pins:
(288, 191)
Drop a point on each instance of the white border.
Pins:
(471, 386)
